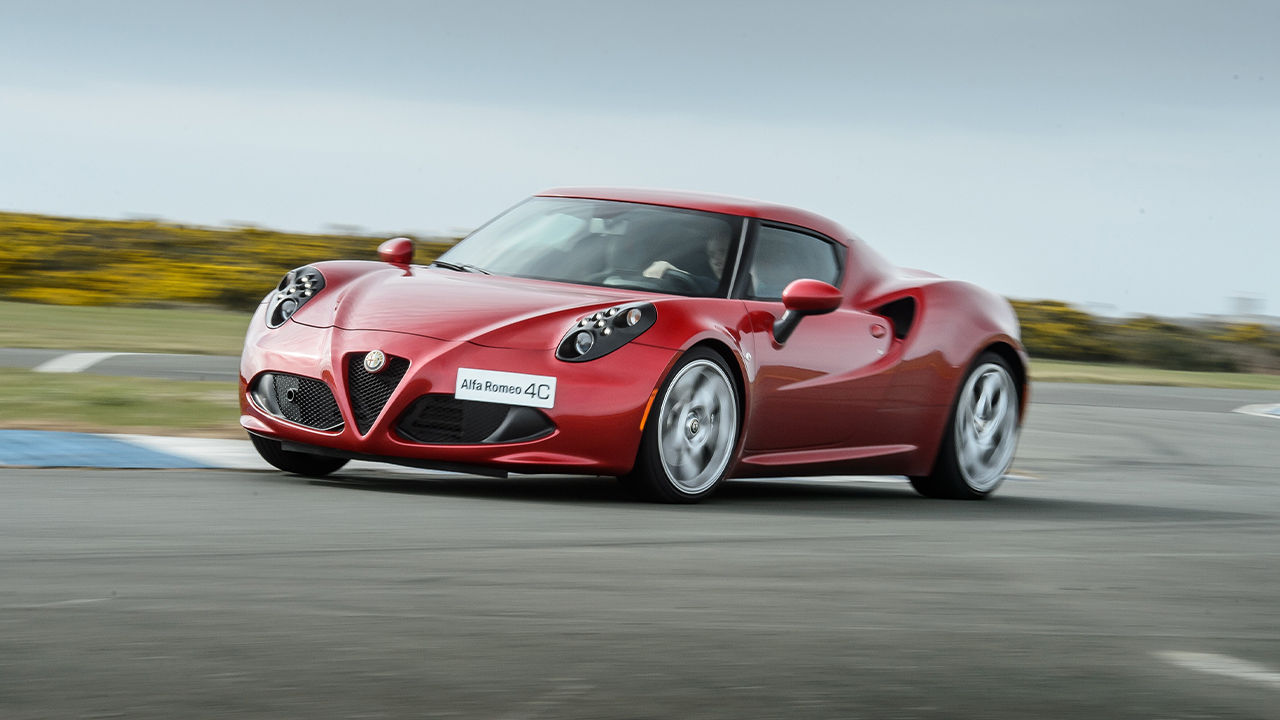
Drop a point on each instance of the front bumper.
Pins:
(599, 405)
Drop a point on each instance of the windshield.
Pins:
(612, 244)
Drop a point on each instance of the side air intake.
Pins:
(901, 313)
(302, 400)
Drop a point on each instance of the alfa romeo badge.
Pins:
(375, 361)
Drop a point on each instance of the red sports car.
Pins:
(671, 339)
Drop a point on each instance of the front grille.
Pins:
(298, 399)
(369, 391)
(445, 420)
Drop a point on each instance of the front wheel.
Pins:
(294, 462)
(981, 437)
(691, 432)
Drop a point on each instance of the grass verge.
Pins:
(60, 327)
(98, 403)
(1078, 372)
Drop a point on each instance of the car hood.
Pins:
(451, 306)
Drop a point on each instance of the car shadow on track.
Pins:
(783, 497)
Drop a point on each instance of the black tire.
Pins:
(672, 480)
(293, 462)
(952, 477)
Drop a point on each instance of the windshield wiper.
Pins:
(461, 267)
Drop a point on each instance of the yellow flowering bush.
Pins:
(74, 261)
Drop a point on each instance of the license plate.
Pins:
(506, 387)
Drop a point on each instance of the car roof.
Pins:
(708, 202)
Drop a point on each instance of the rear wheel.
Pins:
(294, 462)
(981, 436)
(691, 432)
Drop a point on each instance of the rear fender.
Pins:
(954, 323)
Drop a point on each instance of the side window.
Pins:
(782, 256)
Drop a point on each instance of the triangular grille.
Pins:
(369, 391)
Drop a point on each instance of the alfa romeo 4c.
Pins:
(671, 339)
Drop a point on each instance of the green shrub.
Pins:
(1151, 341)
(1054, 330)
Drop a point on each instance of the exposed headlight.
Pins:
(600, 333)
(297, 287)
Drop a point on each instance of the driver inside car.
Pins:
(717, 250)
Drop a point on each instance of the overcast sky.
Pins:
(1110, 153)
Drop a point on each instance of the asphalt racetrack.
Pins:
(1135, 574)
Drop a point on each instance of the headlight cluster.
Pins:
(601, 333)
(293, 292)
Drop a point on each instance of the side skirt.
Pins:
(865, 460)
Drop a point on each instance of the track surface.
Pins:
(1154, 531)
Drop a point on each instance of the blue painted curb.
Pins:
(40, 448)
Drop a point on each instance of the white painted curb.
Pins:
(227, 454)
(75, 362)
(1224, 665)
(241, 455)
(1271, 411)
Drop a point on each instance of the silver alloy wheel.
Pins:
(697, 426)
(986, 427)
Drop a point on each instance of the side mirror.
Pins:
(801, 298)
(397, 251)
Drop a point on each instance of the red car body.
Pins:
(866, 389)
